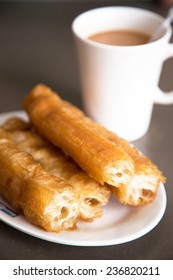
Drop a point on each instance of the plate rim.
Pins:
(47, 236)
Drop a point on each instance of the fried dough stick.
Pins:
(144, 185)
(91, 196)
(146, 180)
(63, 126)
(44, 199)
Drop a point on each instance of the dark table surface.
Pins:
(36, 45)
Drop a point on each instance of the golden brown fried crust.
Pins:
(91, 196)
(41, 196)
(66, 127)
(144, 185)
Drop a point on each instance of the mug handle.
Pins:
(162, 97)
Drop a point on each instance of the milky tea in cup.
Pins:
(120, 38)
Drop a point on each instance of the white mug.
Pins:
(120, 83)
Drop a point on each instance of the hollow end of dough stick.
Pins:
(119, 173)
(50, 209)
(61, 213)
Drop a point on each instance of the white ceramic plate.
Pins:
(119, 224)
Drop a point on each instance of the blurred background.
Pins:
(37, 46)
